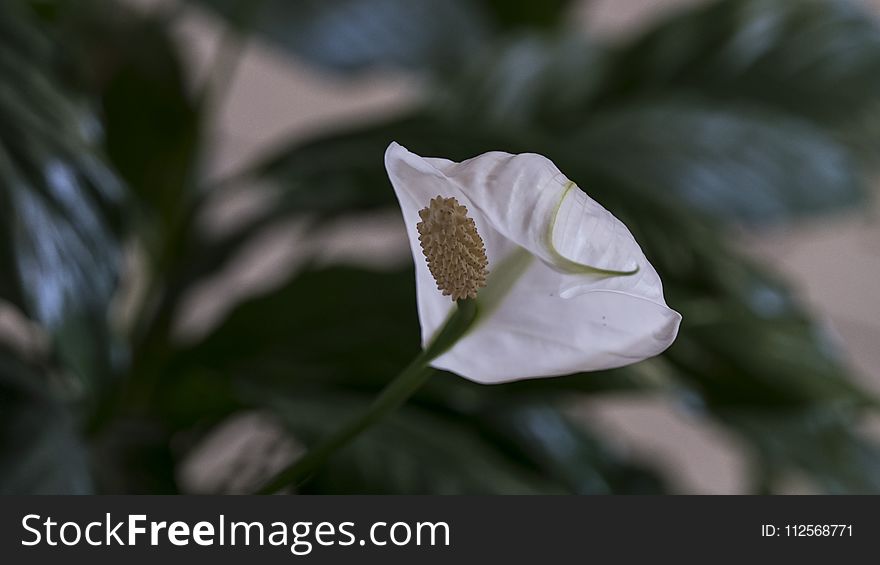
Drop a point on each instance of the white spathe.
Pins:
(553, 321)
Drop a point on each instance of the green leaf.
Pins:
(151, 119)
(40, 451)
(543, 436)
(152, 122)
(744, 336)
(59, 202)
(339, 174)
(528, 84)
(135, 455)
(321, 331)
(813, 58)
(729, 163)
(321, 325)
(331, 176)
(733, 162)
(513, 14)
(344, 172)
(412, 452)
(735, 359)
(821, 444)
(351, 35)
(741, 159)
(747, 353)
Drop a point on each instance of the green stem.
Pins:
(392, 396)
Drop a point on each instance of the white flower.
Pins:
(568, 288)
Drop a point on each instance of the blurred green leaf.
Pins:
(40, 452)
(321, 325)
(735, 359)
(732, 159)
(542, 435)
(343, 171)
(529, 82)
(730, 163)
(815, 58)
(321, 331)
(322, 179)
(59, 203)
(744, 335)
(745, 342)
(351, 35)
(822, 444)
(512, 14)
(320, 328)
(747, 354)
(338, 174)
(135, 456)
(151, 120)
(412, 452)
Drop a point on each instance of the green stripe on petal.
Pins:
(573, 267)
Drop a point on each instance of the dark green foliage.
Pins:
(151, 120)
(755, 166)
(335, 335)
(40, 451)
(752, 112)
(411, 452)
(59, 202)
(813, 58)
(352, 35)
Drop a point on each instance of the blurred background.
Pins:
(203, 270)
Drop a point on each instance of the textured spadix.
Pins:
(453, 248)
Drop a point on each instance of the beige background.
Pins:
(834, 264)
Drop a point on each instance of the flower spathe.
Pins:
(584, 297)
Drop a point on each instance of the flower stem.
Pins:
(392, 396)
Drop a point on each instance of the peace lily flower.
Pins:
(560, 284)
(518, 274)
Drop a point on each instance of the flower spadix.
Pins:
(453, 248)
(560, 284)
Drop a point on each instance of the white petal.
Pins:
(536, 333)
(415, 183)
(551, 323)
